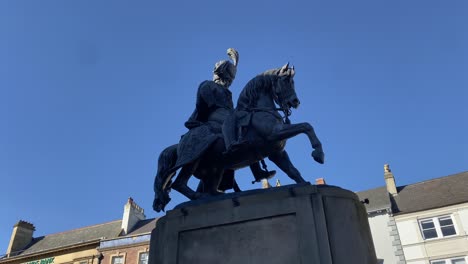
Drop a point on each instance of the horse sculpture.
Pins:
(265, 130)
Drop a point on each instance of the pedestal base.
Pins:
(282, 225)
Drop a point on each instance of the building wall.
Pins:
(130, 254)
(87, 254)
(379, 225)
(417, 250)
(78, 257)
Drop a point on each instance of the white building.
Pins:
(421, 223)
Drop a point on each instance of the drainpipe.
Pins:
(100, 257)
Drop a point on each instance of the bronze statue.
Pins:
(214, 104)
(255, 127)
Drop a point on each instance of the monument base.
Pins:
(299, 223)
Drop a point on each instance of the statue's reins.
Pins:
(286, 111)
(282, 94)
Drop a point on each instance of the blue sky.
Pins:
(92, 91)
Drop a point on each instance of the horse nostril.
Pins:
(296, 102)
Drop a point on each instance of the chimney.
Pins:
(131, 216)
(21, 237)
(320, 181)
(278, 183)
(265, 184)
(390, 180)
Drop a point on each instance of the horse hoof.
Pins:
(158, 207)
(318, 156)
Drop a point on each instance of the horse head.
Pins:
(283, 88)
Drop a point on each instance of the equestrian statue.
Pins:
(221, 139)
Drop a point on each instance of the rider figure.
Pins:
(214, 103)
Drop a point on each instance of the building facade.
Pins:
(421, 223)
(98, 244)
(132, 248)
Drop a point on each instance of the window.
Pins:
(458, 260)
(143, 258)
(117, 260)
(437, 227)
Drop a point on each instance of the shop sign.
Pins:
(42, 261)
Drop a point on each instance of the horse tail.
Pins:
(166, 162)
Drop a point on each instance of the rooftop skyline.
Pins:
(92, 92)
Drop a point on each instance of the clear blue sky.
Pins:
(92, 91)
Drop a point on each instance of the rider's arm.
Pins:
(206, 95)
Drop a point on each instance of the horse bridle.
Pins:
(284, 108)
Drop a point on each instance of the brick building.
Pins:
(121, 241)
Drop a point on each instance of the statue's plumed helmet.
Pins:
(225, 69)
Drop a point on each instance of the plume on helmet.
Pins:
(225, 71)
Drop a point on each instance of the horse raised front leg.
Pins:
(281, 159)
(285, 131)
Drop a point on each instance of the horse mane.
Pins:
(272, 72)
(262, 80)
(258, 84)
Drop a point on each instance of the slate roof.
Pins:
(435, 193)
(86, 234)
(73, 237)
(143, 226)
(431, 194)
(378, 199)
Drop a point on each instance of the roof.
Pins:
(143, 227)
(435, 193)
(95, 233)
(73, 237)
(431, 194)
(141, 233)
(378, 199)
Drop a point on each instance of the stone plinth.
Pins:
(282, 225)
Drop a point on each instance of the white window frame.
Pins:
(449, 260)
(143, 252)
(117, 256)
(437, 227)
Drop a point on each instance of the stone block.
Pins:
(399, 247)
(290, 224)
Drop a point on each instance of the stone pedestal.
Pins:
(282, 225)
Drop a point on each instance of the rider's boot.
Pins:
(259, 173)
(237, 145)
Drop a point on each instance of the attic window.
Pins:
(437, 227)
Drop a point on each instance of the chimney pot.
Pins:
(320, 181)
(278, 183)
(265, 184)
(387, 168)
